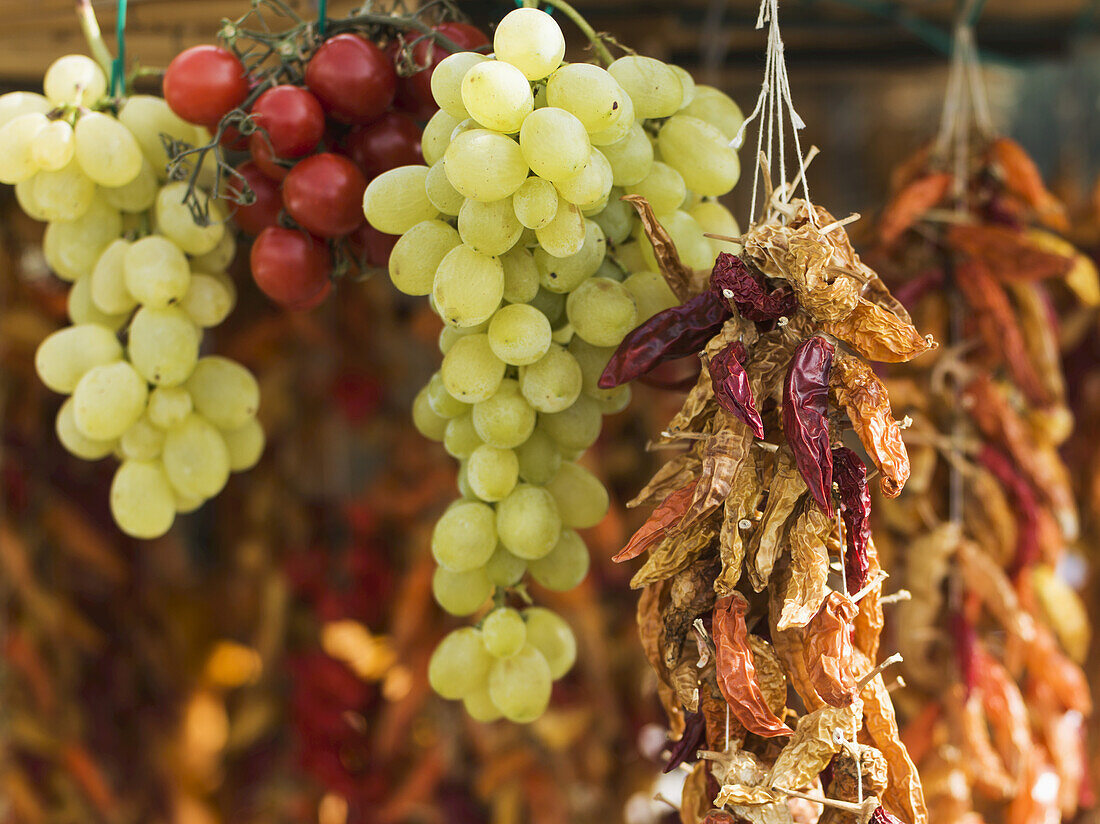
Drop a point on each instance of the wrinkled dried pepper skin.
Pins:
(880, 816)
(828, 650)
(805, 421)
(867, 403)
(667, 515)
(731, 386)
(1024, 504)
(674, 333)
(855, 508)
(693, 740)
(735, 281)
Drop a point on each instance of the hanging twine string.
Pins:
(774, 111)
(118, 65)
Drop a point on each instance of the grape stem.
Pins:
(602, 52)
(90, 26)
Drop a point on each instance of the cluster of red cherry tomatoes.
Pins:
(315, 148)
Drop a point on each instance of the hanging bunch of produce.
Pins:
(518, 230)
(89, 162)
(761, 571)
(310, 111)
(993, 635)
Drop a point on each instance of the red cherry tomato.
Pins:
(203, 83)
(430, 54)
(324, 193)
(391, 141)
(313, 302)
(371, 247)
(290, 267)
(352, 78)
(256, 217)
(294, 122)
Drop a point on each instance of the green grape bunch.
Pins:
(142, 271)
(516, 231)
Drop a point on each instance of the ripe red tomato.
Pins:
(324, 193)
(264, 212)
(294, 122)
(391, 141)
(430, 54)
(290, 267)
(202, 83)
(371, 247)
(352, 78)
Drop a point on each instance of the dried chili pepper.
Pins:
(1005, 709)
(805, 580)
(731, 386)
(733, 279)
(867, 403)
(653, 530)
(1024, 504)
(805, 421)
(1022, 179)
(736, 671)
(678, 275)
(855, 508)
(1009, 254)
(692, 740)
(878, 334)
(674, 333)
(963, 640)
(828, 650)
(908, 204)
(880, 816)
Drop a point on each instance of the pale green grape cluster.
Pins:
(143, 271)
(517, 233)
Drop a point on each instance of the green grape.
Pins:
(616, 220)
(615, 400)
(82, 310)
(429, 424)
(700, 153)
(492, 472)
(65, 194)
(519, 334)
(531, 41)
(461, 593)
(651, 292)
(175, 221)
(196, 458)
(418, 253)
(24, 196)
(528, 522)
(464, 126)
(72, 247)
(186, 503)
(148, 118)
(503, 632)
(447, 82)
(465, 536)
(163, 345)
(107, 400)
(156, 271)
(574, 428)
(136, 196)
(519, 686)
(631, 158)
(484, 165)
(550, 304)
(663, 187)
(169, 406)
(715, 219)
(588, 92)
(468, 286)
(562, 335)
(550, 635)
(64, 357)
(505, 420)
(209, 299)
(437, 136)
(108, 281)
(217, 260)
(245, 445)
(471, 371)
(442, 195)
(553, 382)
(566, 565)
(521, 276)
(555, 144)
(460, 664)
(536, 202)
(602, 311)
(539, 458)
(505, 569)
(491, 227)
(629, 255)
(18, 137)
(441, 401)
(142, 502)
(54, 146)
(610, 269)
(74, 80)
(223, 392)
(460, 438)
(687, 235)
(463, 485)
(14, 104)
(564, 235)
(592, 360)
(619, 127)
(687, 84)
(75, 442)
(564, 274)
(717, 109)
(591, 184)
(106, 150)
(142, 441)
(652, 85)
(581, 497)
(397, 200)
(479, 705)
(497, 95)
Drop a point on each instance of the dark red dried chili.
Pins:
(850, 475)
(805, 421)
(693, 739)
(735, 281)
(731, 386)
(964, 641)
(1024, 503)
(880, 816)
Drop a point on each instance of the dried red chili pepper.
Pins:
(736, 671)
(664, 516)
(850, 475)
(731, 386)
(907, 205)
(805, 408)
(692, 740)
(880, 816)
(828, 650)
(674, 333)
(735, 281)
(1024, 504)
(964, 642)
(1009, 254)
